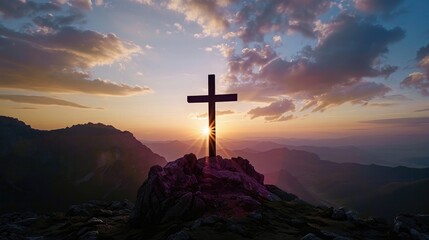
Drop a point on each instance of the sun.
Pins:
(205, 131)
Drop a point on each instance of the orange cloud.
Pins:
(58, 61)
(40, 100)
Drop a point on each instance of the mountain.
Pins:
(49, 170)
(342, 154)
(366, 188)
(173, 150)
(208, 198)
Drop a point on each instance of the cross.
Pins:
(212, 98)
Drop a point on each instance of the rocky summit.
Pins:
(191, 187)
(208, 198)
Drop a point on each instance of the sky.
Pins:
(301, 68)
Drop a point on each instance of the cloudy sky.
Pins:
(301, 68)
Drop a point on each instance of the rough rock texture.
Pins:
(414, 227)
(89, 220)
(190, 187)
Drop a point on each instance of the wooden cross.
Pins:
(212, 98)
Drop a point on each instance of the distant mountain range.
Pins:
(408, 154)
(49, 170)
(368, 188)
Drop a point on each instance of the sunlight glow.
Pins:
(205, 131)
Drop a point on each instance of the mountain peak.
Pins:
(190, 187)
(11, 122)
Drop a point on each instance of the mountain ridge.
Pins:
(63, 166)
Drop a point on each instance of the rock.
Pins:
(90, 235)
(310, 236)
(121, 205)
(179, 209)
(189, 187)
(181, 235)
(339, 214)
(351, 215)
(282, 195)
(95, 221)
(77, 210)
(235, 227)
(334, 236)
(407, 226)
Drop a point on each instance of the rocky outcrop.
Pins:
(89, 220)
(415, 227)
(190, 187)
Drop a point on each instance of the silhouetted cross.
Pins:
(212, 98)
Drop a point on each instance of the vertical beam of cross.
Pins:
(211, 99)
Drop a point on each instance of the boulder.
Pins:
(190, 187)
(408, 226)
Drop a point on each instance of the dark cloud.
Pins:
(18, 8)
(401, 121)
(57, 21)
(274, 111)
(40, 100)
(423, 52)
(422, 110)
(218, 113)
(257, 18)
(58, 61)
(327, 75)
(251, 20)
(419, 80)
(385, 7)
(358, 93)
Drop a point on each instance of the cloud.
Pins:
(54, 22)
(258, 18)
(386, 7)
(250, 20)
(26, 108)
(40, 100)
(218, 113)
(401, 121)
(211, 15)
(18, 9)
(81, 4)
(358, 93)
(422, 110)
(279, 119)
(381, 104)
(418, 81)
(147, 2)
(59, 61)
(348, 51)
(277, 39)
(179, 27)
(274, 111)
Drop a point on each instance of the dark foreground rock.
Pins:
(191, 187)
(208, 199)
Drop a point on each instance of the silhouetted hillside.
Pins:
(342, 154)
(49, 170)
(361, 187)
